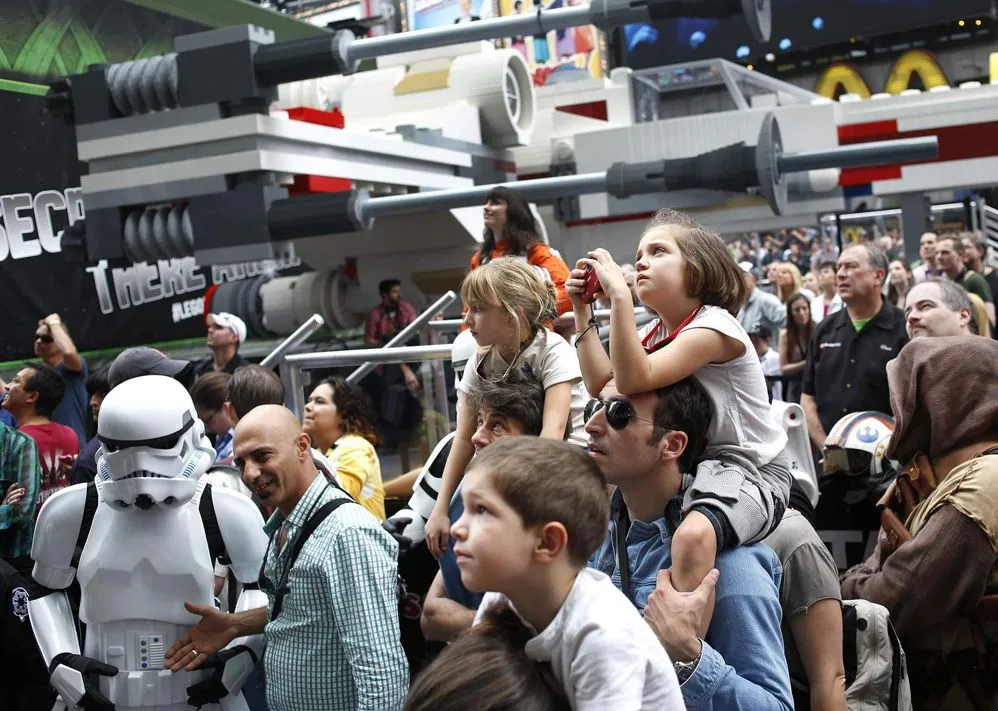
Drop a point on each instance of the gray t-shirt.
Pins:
(809, 576)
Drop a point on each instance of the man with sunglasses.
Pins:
(57, 350)
(645, 445)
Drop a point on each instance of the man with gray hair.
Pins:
(938, 307)
(845, 370)
(762, 311)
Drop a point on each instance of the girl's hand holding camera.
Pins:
(610, 276)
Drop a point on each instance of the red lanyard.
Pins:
(671, 337)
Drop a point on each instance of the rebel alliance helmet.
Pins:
(153, 447)
(857, 446)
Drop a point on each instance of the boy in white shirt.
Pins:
(535, 510)
(770, 361)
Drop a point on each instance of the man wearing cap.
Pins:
(225, 333)
(762, 311)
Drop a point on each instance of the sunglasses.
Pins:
(44, 339)
(618, 413)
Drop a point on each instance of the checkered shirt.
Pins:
(335, 646)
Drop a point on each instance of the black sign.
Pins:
(103, 306)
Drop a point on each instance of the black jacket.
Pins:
(24, 679)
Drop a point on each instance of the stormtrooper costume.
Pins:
(141, 540)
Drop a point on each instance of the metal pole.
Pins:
(301, 334)
(380, 356)
(294, 395)
(406, 333)
(454, 324)
(902, 150)
(539, 23)
(539, 190)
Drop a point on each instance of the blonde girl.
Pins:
(508, 306)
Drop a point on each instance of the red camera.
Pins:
(592, 287)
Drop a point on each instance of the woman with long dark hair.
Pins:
(511, 230)
(338, 419)
(794, 341)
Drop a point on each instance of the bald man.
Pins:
(331, 624)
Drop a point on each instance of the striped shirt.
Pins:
(18, 462)
(335, 646)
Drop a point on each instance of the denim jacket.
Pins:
(742, 666)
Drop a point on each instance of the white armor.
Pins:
(147, 553)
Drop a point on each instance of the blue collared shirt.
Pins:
(743, 664)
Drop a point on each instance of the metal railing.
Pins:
(301, 334)
(454, 324)
(406, 333)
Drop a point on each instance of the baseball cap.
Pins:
(135, 362)
(231, 322)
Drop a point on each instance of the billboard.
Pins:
(558, 56)
(796, 26)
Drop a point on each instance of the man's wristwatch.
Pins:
(684, 670)
(53, 322)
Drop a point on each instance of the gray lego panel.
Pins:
(224, 35)
(155, 193)
(148, 122)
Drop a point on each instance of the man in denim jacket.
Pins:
(643, 445)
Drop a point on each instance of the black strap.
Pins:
(216, 546)
(623, 523)
(314, 521)
(89, 509)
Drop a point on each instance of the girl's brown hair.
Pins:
(516, 286)
(711, 273)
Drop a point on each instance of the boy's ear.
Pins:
(552, 539)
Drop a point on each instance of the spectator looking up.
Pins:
(795, 340)
(32, 397)
(849, 349)
(57, 350)
(510, 406)
(938, 307)
(950, 260)
(511, 230)
(927, 251)
(527, 539)
(975, 251)
(644, 444)
(687, 278)
(828, 300)
(762, 311)
(226, 332)
(337, 418)
(901, 280)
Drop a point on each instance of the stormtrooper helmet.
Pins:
(153, 447)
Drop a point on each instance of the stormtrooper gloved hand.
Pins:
(395, 526)
(229, 668)
(74, 676)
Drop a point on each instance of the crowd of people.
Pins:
(614, 523)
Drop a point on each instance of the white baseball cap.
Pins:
(231, 322)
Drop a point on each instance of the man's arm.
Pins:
(443, 619)
(814, 427)
(371, 330)
(365, 610)
(939, 575)
(60, 336)
(743, 665)
(24, 465)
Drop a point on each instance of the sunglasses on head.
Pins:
(618, 412)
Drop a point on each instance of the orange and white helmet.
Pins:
(857, 446)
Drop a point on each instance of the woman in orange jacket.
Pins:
(511, 230)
